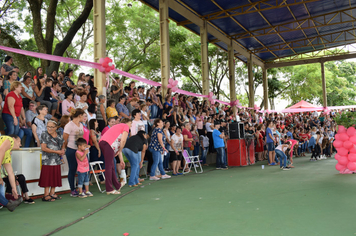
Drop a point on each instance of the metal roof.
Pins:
(273, 29)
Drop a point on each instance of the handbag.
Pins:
(192, 147)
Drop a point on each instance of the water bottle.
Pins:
(263, 167)
(123, 176)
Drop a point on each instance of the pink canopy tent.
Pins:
(302, 106)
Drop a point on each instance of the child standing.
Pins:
(204, 145)
(83, 168)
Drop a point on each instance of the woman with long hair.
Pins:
(72, 131)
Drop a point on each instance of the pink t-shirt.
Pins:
(74, 133)
(199, 122)
(66, 105)
(86, 133)
(104, 130)
(83, 166)
(112, 134)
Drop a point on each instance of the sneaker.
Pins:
(225, 168)
(218, 168)
(285, 168)
(179, 173)
(13, 204)
(74, 193)
(273, 164)
(154, 178)
(82, 195)
(29, 201)
(175, 174)
(89, 194)
(166, 176)
(1, 206)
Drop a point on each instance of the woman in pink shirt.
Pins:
(67, 104)
(111, 145)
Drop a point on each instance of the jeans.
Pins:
(302, 148)
(9, 122)
(2, 189)
(281, 156)
(196, 150)
(134, 159)
(220, 156)
(83, 179)
(166, 158)
(157, 161)
(51, 106)
(72, 167)
(154, 111)
(203, 154)
(3, 200)
(28, 133)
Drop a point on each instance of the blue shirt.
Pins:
(289, 134)
(268, 132)
(122, 108)
(218, 142)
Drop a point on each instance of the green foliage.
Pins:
(346, 119)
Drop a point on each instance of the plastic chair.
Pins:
(96, 173)
(191, 161)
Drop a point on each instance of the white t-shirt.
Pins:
(137, 126)
(145, 114)
(177, 142)
(208, 128)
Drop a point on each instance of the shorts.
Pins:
(83, 179)
(175, 157)
(270, 147)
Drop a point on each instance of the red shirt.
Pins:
(189, 134)
(304, 136)
(18, 104)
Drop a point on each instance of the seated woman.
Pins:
(20, 180)
(52, 145)
(7, 144)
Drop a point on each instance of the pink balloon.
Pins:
(343, 151)
(341, 129)
(337, 136)
(340, 167)
(353, 150)
(338, 144)
(101, 60)
(101, 69)
(351, 166)
(174, 89)
(348, 145)
(343, 160)
(107, 69)
(337, 156)
(351, 157)
(351, 131)
(344, 137)
(353, 139)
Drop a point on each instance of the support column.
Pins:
(99, 44)
(231, 58)
(204, 58)
(265, 88)
(251, 99)
(164, 40)
(325, 101)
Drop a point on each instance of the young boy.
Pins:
(83, 168)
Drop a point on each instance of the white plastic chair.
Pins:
(96, 173)
(192, 160)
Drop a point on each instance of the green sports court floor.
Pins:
(311, 199)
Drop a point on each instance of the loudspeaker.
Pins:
(236, 130)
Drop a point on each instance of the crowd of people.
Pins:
(71, 123)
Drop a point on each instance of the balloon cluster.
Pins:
(345, 144)
(172, 84)
(106, 65)
(235, 103)
(326, 111)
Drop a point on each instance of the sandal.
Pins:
(48, 200)
(57, 197)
